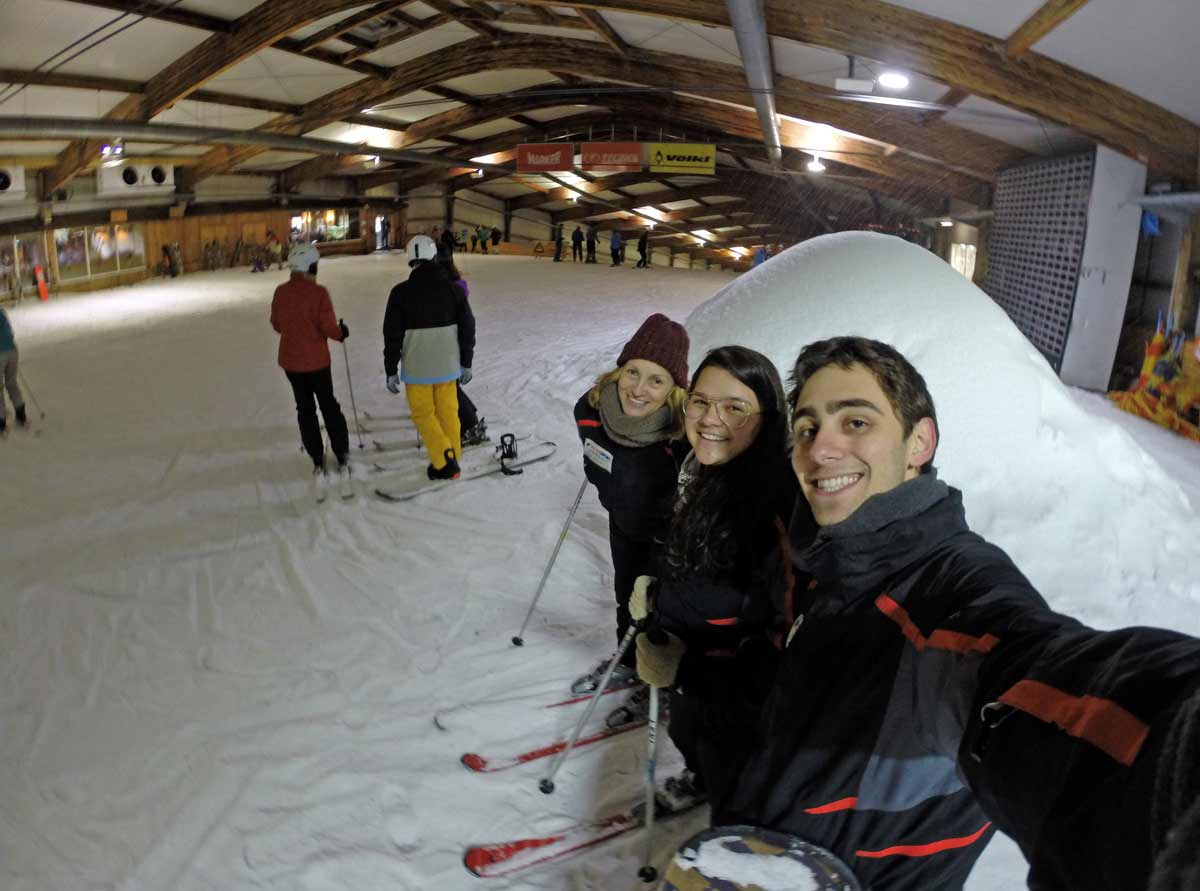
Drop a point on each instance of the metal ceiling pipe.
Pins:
(108, 130)
(750, 27)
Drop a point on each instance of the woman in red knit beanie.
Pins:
(631, 426)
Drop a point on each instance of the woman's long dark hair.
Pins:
(726, 502)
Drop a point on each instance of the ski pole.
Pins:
(648, 873)
(546, 784)
(29, 390)
(519, 639)
(350, 383)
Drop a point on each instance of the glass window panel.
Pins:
(102, 249)
(131, 247)
(71, 247)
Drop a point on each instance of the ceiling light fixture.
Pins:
(477, 173)
(893, 80)
(945, 224)
(815, 165)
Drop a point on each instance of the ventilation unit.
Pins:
(139, 179)
(12, 184)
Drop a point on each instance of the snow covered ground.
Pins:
(209, 681)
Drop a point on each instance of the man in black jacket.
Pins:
(928, 695)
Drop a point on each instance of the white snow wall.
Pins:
(1092, 519)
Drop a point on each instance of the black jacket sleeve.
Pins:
(465, 319)
(393, 329)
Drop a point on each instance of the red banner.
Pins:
(612, 157)
(545, 157)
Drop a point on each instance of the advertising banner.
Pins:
(681, 157)
(612, 157)
(545, 157)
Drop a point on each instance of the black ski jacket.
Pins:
(429, 322)
(919, 660)
(635, 485)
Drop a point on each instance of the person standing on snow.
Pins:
(591, 245)
(712, 594)
(629, 423)
(473, 428)
(484, 234)
(8, 374)
(616, 247)
(302, 313)
(927, 694)
(643, 246)
(577, 245)
(429, 332)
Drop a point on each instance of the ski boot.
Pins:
(22, 420)
(475, 434)
(637, 708)
(449, 471)
(345, 479)
(320, 483)
(622, 676)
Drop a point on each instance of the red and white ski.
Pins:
(518, 855)
(480, 764)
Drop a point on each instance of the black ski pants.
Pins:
(576, 251)
(310, 389)
(631, 557)
(641, 263)
(617, 259)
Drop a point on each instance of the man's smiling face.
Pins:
(850, 443)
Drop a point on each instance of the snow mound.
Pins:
(1083, 510)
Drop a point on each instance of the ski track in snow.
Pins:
(209, 681)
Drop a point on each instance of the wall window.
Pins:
(962, 258)
(331, 225)
(131, 247)
(71, 246)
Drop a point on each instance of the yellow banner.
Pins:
(681, 157)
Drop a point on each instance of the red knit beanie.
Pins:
(663, 342)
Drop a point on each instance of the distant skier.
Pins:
(616, 247)
(302, 313)
(485, 234)
(643, 248)
(429, 334)
(8, 374)
(631, 425)
(577, 245)
(591, 245)
(558, 243)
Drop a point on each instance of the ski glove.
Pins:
(466, 376)
(657, 664)
(641, 601)
(393, 383)
(345, 331)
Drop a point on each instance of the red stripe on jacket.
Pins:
(946, 844)
(584, 422)
(1101, 722)
(940, 639)
(842, 804)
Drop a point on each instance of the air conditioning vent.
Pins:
(135, 179)
(12, 184)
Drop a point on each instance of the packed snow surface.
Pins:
(209, 681)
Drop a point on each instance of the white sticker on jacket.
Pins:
(598, 455)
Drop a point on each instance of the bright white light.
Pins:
(574, 198)
(106, 150)
(375, 160)
(118, 149)
(477, 173)
(945, 224)
(893, 80)
(815, 166)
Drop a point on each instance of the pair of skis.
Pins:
(508, 460)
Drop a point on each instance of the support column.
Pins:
(508, 220)
(448, 223)
(1183, 293)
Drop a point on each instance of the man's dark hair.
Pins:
(312, 270)
(896, 376)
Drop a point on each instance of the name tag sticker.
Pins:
(598, 455)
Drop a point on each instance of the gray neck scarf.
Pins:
(628, 431)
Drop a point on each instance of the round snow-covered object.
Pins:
(301, 257)
(1082, 509)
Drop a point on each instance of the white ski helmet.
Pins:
(420, 247)
(302, 256)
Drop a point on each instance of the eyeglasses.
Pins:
(734, 413)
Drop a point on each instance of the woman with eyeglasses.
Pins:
(735, 498)
(631, 425)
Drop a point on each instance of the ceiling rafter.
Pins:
(604, 30)
(255, 30)
(1044, 20)
(410, 30)
(959, 57)
(473, 17)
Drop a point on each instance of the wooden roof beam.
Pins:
(411, 30)
(472, 17)
(604, 30)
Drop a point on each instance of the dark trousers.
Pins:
(468, 414)
(616, 256)
(311, 388)
(591, 252)
(576, 251)
(630, 558)
(558, 246)
(641, 259)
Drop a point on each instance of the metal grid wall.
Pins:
(1036, 245)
